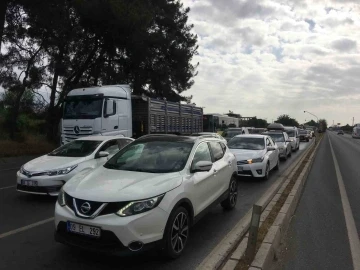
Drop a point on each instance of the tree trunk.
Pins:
(15, 113)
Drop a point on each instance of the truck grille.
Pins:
(75, 132)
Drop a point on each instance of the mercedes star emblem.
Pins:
(85, 207)
(76, 129)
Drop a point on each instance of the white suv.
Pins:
(147, 195)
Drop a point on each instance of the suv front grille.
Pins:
(110, 208)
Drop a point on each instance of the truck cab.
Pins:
(101, 110)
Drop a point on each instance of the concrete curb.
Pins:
(270, 246)
(220, 256)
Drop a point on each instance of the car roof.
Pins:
(250, 136)
(103, 138)
(167, 138)
(274, 132)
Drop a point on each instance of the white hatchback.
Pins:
(148, 195)
(256, 155)
(45, 175)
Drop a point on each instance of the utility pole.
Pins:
(353, 122)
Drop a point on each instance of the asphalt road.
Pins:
(318, 236)
(35, 247)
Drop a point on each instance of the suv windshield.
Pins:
(277, 137)
(76, 148)
(291, 133)
(247, 143)
(303, 132)
(82, 108)
(152, 157)
(231, 133)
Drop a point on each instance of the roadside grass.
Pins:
(244, 262)
(30, 145)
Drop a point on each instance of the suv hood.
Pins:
(108, 185)
(45, 163)
(244, 154)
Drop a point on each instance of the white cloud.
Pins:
(270, 57)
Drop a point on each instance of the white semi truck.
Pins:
(113, 110)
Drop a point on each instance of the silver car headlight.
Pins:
(255, 160)
(61, 171)
(61, 197)
(137, 207)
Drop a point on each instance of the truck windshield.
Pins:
(82, 108)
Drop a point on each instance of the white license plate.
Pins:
(83, 229)
(240, 168)
(30, 183)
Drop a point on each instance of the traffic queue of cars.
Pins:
(119, 195)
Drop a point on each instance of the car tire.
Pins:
(176, 233)
(290, 153)
(230, 202)
(285, 157)
(277, 167)
(267, 172)
(307, 140)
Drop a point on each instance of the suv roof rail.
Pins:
(158, 134)
(207, 136)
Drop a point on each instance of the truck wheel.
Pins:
(230, 202)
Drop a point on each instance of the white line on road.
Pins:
(7, 187)
(349, 218)
(26, 227)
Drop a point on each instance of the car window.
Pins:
(77, 148)
(123, 142)
(202, 154)
(223, 146)
(151, 156)
(247, 143)
(268, 143)
(217, 150)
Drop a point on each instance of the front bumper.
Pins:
(46, 185)
(282, 152)
(116, 232)
(252, 170)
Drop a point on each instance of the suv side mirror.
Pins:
(102, 154)
(271, 148)
(201, 166)
(288, 140)
(109, 108)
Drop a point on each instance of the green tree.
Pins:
(312, 123)
(322, 125)
(286, 120)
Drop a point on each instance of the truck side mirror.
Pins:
(110, 107)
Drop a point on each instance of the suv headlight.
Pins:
(61, 197)
(137, 207)
(61, 171)
(255, 160)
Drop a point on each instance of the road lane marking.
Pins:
(26, 227)
(349, 218)
(7, 187)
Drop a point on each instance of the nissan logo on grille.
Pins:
(85, 207)
(76, 129)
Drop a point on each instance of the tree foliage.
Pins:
(62, 44)
(256, 123)
(323, 124)
(286, 120)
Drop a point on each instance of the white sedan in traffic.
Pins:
(46, 175)
(256, 155)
